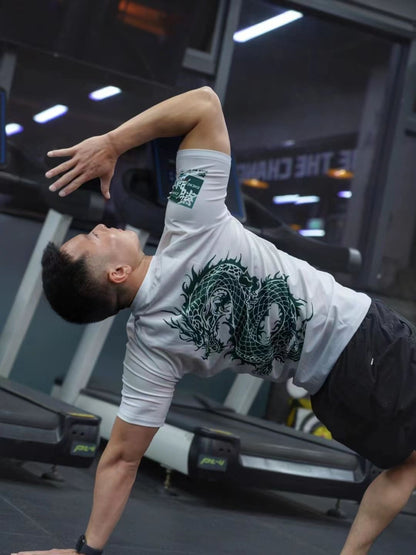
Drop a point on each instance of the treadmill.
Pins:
(254, 452)
(36, 427)
(33, 425)
(208, 440)
(212, 442)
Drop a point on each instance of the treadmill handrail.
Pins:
(346, 461)
(333, 258)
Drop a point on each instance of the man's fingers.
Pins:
(61, 152)
(105, 186)
(64, 180)
(49, 552)
(73, 186)
(89, 159)
(64, 167)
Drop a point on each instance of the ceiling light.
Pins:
(13, 128)
(295, 199)
(105, 92)
(51, 113)
(312, 232)
(311, 199)
(285, 199)
(266, 26)
(344, 194)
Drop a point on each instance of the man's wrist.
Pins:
(83, 547)
(118, 141)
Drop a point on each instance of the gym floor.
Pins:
(194, 519)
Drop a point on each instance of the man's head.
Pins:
(92, 276)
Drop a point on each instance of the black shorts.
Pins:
(368, 401)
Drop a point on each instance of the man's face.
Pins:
(105, 246)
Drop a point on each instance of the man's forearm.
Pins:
(113, 483)
(197, 115)
(173, 117)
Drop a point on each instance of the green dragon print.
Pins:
(225, 310)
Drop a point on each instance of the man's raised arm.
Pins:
(197, 115)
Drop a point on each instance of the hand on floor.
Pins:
(49, 552)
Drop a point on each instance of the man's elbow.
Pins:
(127, 444)
(210, 98)
(209, 92)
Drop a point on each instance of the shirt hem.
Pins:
(314, 385)
(139, 422)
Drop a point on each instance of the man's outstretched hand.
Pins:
(50, 552)
(94, 157)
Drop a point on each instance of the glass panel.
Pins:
(41, 81)
(303, 106)
(397, 277)
(202, 32)
(135, 37)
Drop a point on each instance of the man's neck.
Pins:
(137, 278)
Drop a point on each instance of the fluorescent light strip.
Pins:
(311, 199)
(13, 128)
(295, 199)
(265, 26)
(51, 113)
(285, 199)
(105, 92)
(312, 232)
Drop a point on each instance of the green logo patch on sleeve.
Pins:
(186, 187)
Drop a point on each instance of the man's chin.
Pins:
(136, 238)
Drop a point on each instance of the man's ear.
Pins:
(119, 274)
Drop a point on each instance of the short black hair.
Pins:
(71, 289)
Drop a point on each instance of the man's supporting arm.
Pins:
(197, 115)
(116, 473)
(114, 479)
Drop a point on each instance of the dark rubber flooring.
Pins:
(194, 519)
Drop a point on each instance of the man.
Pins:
(195, 307)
